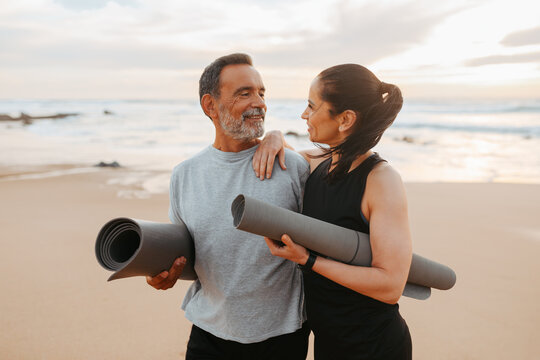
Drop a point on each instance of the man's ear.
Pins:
(209, 106)
(347, 119)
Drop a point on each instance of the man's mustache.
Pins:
(253, 112)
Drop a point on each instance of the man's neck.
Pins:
(227, 144)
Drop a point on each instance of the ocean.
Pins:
(430, 141)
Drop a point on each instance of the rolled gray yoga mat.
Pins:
(348, 246)
(138, 248)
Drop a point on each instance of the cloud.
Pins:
(177, 34)
(92, 4)
(362, 34)
(96, 45)
(523, 37)
(171, 34)
(533, 57)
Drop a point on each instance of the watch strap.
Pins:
(310, 262)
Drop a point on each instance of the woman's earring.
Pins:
(341, 128)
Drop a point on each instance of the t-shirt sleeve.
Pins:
(303, 175)
(301, 168)
(174, 213)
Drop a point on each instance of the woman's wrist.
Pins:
(310, 261)
(305, 258)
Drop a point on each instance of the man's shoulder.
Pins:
(191, 162)
(295, 157)
(292, 158)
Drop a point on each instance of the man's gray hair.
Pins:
(209, 81)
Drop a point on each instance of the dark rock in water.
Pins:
(55, 116)
(295, 134)
(27, 119)
(6, 117)
(406, 138)
(113, 164)
(107, 112)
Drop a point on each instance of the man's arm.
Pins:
(166, 279)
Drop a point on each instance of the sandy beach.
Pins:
(57, 304)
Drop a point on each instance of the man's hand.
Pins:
(263, 160)
(166, 279)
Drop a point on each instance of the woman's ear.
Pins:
(346, 120)
(209, 106)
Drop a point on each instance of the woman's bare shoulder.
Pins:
(311, 157)
(385, 179)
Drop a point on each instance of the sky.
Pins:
(157, 49)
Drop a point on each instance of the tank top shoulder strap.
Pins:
(360, 175)
(362, 171)
(322, 169)
(367, 165)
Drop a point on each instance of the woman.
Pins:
(353, 310)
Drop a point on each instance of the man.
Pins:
(246, 303)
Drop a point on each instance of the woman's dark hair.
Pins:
(375, 103)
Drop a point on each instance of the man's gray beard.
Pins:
(239, 129)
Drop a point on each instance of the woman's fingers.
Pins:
(262, 165)
(270, 146)
(273, 245)
(281, 158)
(286, 239)
(286, 249)
(269, 166)
(257, 161)
(296, 253)
(270, 244)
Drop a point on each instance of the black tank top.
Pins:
(336, 314)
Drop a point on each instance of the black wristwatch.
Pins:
(310, 262)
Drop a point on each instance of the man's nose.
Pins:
(258, 102)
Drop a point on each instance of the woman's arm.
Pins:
(385, 206)
(273, 144)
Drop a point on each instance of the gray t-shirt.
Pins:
(243, 292)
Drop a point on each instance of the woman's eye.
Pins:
(261, 95)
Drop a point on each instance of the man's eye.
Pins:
(261, 95)
(244, 94)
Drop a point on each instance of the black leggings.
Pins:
(204, 346)
(328, 346)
